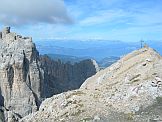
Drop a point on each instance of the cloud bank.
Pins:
(21, 12)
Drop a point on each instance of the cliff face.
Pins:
(60, 77)
(20, 75)
(129, 90)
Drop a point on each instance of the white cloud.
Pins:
(144, 17)
(104, 16)
(20, 12)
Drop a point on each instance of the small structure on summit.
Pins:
(4, 32)
(9, 36)
(142, 43)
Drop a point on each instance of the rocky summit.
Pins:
(26, 79)
(20, 75)
(128, 91)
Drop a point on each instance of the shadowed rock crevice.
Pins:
(1, 99)
(10, 75)
(26, 68)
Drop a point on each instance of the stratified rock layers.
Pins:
(20, 75)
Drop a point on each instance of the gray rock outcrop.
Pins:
(60, 77)
(20, 75)
(128, 91)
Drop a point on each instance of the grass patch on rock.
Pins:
(129, 116)
(159, 100)
(75, 93)
(87, 119)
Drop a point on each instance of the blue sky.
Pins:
(126, 20)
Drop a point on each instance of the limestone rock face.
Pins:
(60, 77)
(129, 90)
(20, 75)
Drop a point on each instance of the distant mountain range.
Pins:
(97, 49)
(67, 58)
(105, 62)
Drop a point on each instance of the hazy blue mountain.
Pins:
(67, 58)
(97, 49)
(103, 63)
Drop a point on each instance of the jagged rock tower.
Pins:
(20, 75)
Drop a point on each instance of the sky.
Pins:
(125, 20)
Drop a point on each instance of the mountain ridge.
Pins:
(128, 90)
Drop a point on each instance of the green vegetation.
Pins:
(129, 116)
(136, 80)
(159, 100)
(77, 93)
(87, 119)
(133, 79)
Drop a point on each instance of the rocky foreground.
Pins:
(127, 91)
(24, 78)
